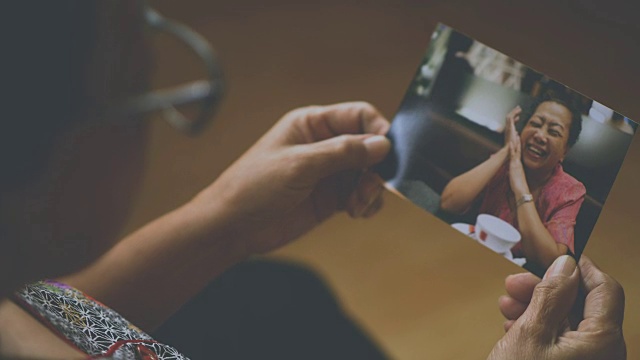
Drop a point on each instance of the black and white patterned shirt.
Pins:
(90, 326)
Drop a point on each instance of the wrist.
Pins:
(503, 152)
(501, 156)
(518, 182)
(523, 199)
(214, 213)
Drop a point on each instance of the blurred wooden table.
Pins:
(419, 288)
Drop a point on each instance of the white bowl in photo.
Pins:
(495, 233)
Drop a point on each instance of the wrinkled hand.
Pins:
(311, 164)
(537, 313)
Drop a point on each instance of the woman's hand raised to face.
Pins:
(509, 129)
(537, 313)
(517, 176)
(311, 164)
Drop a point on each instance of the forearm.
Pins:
(538, 244)
(151, 273)
(279, 189)
(462, 190)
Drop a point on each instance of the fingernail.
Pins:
(377, 146)
(564, 265)
(373, 196)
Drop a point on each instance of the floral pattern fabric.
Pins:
(90, 326)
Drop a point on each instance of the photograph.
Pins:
(506, 155)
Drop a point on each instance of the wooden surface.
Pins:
(420, 289)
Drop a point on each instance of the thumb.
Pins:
(345, 152)
(552, 300)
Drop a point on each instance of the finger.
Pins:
(368, 190)
(552, 299)
(513, 112)
(374, 207)
(604, 303)
(353, 206)
(512, 126)
(508, 324)
(513, 116)
(520, 286)
(515, 143)
(517, 112)
(507, 129)
(344, 152)
(510, 308)
(324, 122)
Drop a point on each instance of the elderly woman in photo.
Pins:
(524, 183)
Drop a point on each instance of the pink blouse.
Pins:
(558, 204)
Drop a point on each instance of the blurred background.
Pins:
(418, 290)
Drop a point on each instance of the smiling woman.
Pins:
(524, 182)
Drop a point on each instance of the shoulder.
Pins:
(563, 186)
(570, 183)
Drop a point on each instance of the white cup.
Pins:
(495, 233)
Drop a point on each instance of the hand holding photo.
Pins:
(513, 159)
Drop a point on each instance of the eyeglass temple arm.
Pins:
(210, 90)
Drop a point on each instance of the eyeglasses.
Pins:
(205, 93)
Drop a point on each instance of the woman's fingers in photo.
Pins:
(514, 146)
(513, 150)
(511, 134)
(514, 114)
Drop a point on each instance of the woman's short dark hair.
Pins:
(569, 104)
(45, 85)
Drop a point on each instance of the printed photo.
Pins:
(506, 155)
